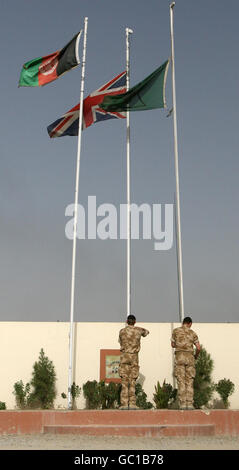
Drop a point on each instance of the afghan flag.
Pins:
(148, 94)
(43, 70)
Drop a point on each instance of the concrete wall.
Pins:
(21, 343)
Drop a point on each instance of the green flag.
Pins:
(148, 94)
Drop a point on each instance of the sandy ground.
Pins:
(74, 442)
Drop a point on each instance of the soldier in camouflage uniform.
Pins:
(183, 339)
(129, 339)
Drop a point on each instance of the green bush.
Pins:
(101, 395)
(43, 383)
(75, 393)
(91, 394)
(225, 388)
(203, 385)
(2, 405)
(164, 395)
(75, 390)
(21, 393)
(141, 398)
(108, 394)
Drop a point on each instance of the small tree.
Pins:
(21, 393)
(43, 383)
(203, 385)
(225, 388)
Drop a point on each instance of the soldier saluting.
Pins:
(183, 340)
(129, 339)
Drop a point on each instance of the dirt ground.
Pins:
(76, 442)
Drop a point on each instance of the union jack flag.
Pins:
(68, 124)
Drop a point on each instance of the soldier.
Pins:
(183, 339)
(129, 339)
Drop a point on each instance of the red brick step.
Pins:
(156, 422)
(146, 430)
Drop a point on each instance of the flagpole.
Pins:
(177, 195)
(176, 237)
(71, 334)
(128, 32)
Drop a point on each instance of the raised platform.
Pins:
(122, 423)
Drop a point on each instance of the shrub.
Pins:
(91, 394)
(101, 395)
(75, 393)
(225, 388)
(2, 405)
(21, 393)
(164, 395)
(141, 398)
(108, 394)
(43, 383)
(203, 385)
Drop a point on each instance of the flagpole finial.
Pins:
(172, 5)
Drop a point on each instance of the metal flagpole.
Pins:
(128, 32)
(176, 237)
(178, 220)
(71, 335)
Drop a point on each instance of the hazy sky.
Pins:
(37, 174)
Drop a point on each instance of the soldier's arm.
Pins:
(144, 332)
(197, 344)
(198, 349)
(173, 343)
(119, 340)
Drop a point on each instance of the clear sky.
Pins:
(37, 175)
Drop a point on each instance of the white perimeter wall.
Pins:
(21, 343)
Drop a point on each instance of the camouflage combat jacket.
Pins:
(129, 338)
(184, 339)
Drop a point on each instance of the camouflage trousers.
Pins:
(128, 371)
(184, 371)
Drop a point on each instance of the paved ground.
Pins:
(73, 442)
